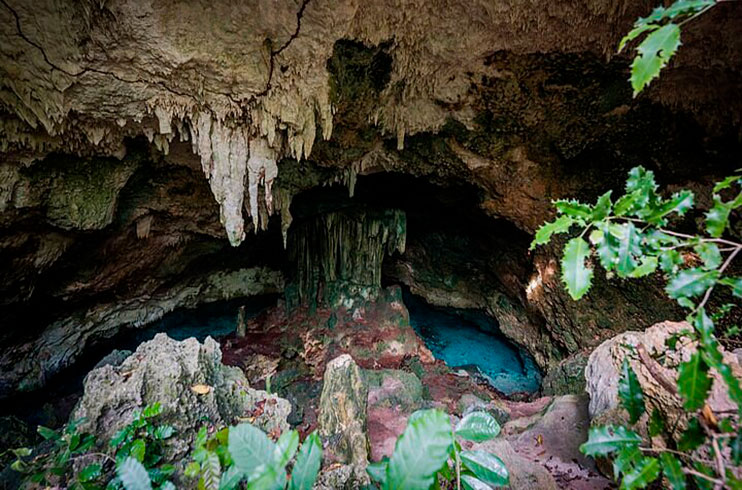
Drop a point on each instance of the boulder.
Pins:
(190, 382)
(524, 473)
(603, 373)
(342, 412)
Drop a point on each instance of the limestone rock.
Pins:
(524, 473)
(567, 376)
(393, 388)
(471, 403)
(603, 374)
(342, 412)
(113, 358)
(165, 370)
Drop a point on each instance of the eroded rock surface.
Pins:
(165, 371)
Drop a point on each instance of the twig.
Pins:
(698, 474)
(654, 369)
(721, 271)
(719, 459)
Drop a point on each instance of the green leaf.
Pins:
(626, 459)
(231, 477)
(645, 472)
(654, 53)
(607, 247)
(656, 423)
(478, 427)
(47, 433)
(726, 183)
(630, 392)
(735, 283)
(561, 225)
(693, 436)
(634, 33)
(608, 439)
(167, 486)
(691, 283)
(573, 208)
(629, 240)
(471, 482)
(250, 448)
(717, 218)
(163, 432)
(576, 276)
(152, 410)
(602, 208)
(377, 471)
(648, 266)
(307, 464)
(670, 261)
(485, 466)
(133, 475)
(421, 450)
(694, 382)
(679, 203)
(211, 473)
(673, 471)
(286, 447)
(138, 449)
(90, 472)
(710, 255)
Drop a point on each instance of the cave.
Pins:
(298, 201)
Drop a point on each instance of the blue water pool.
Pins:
(470, 339)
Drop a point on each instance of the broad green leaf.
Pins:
(656, 423)
(471, 482)
(647, 266)
(694, 382)
(421, 450)
(576, 275)
(679, 203)
(602, 208)
(629, 240)
(673, 471)
(164, 431)
(477, 427)
(138, 449)
(561, 225)
(286, 447)
(717, 218)
(47, 433)
(607, 247)
(627, 203)
(485, 466)
(645, 472)
(634, 33)
(267, 478)
(691, 283)
(735, 283)
(133, 475)
(307, 464)
(250, 448)
(608, 439)
(573, 208)
(670, 261)
(377, 472)
(90, 473)
(152, 410)
(626, 459)
(211, 473)
(630, 392)
(642, 180)
(231, 477)
(693, 436)
(654, 53)
(709, 254)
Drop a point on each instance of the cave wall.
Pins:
(150, 151)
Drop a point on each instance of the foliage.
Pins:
(628, 238)
(428, 452)
(662, 30)
(140, 441)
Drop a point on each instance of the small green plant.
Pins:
(428, 452)
(662, 30)
(629, 238)
(141, 441)
(245, 453)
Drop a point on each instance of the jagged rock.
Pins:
(603, 373)
(565, 377)
(165, 370)
(342, 412)
(113, 358)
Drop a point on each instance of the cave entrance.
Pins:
(459, 268)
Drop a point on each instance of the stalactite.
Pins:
(338, 255)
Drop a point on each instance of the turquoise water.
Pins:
(471, 340)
